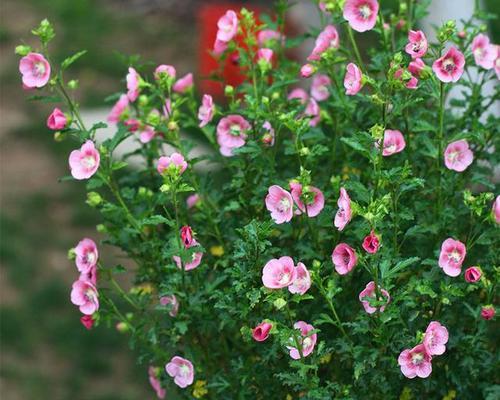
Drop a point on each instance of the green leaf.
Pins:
(155, 220)
(70, 60)
(402, 265)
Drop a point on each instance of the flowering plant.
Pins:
(335, 242)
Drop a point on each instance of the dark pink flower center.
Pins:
(449, 64)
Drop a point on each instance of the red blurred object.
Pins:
(208, 15)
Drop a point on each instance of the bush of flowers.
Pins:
(340, 237)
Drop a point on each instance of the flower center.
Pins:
(391, 148)
(39, 68)
(453, 156)
(88, 162)
(448, 65)
(307, 342)
(455, 256)
(417, 358)
(235, 130)
(346, 259)
(365, 11)
(90, 295)
(184, 370)
(90, 258)
(284, 205)
(284, 278)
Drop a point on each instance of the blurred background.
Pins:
(45, 351)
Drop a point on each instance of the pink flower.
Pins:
(167, 108)
(84, 295)
(328, 38)
(35, 70)
(306, 341)
(472, 274)
(314, 206)
(300, 94)
(84, 162)
(322, 7)
(312, 110)
(183, 84)
(228, 26)
(307, 70)
(280, 203)
(181, 370)
(57, 120)
(266, 36)
(371, 243)
(361, 14)
(410, 84)
(450, 67)
(319, 87)
(194, 263)
(278, 273)
(172, 302)
(452, 256)
(155, 382)
(132, 84)
(232, 133)
(458, 156)
(187, 236)
(487, 312)
(496, 209)
(344, 258)
(90, 275)
(219, 47)
(265, 55)
(261, 332)
(417, 46)
(147, 134)
(206, 110)
(394, 142)
(87, 321)
(353, 79)
(435, 338)
(302, 281)
(416, 67)
(174, 161)
(192, 200)
(168, 70)
(415, 362)
(497, 61)
(344, 213)
(118, 109)
(132, 124)
(368, 293)
(86, 255)
(484, 52)
(268, 136)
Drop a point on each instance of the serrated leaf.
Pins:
(70, 60)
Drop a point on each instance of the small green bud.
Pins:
(229, 91)
(23, 50)
(446, 301)
(377, 132)
(164, 188)
(275, 95)
(59, 136)
(143, 100)
(304, 151)
(265, 100)
(44, 31)
(142, 191)
(122, 327)
(153, 118)
(279, 303)
(93, 199)
(73, 84)
(101, 228)
(71, 254)
(172, 126)
(316, 264)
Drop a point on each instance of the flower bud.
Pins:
(93, 199)
(101, 228)
(307, 70)
(229, 91)
(122, 327)
(23, 50)
(59, 136)
(472, 274)
(279, 303)
(71, 254)
(172, 126)
(487, 312)
(143, 100)
(73, 84)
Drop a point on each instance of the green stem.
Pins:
(440, 147)
(355, 48)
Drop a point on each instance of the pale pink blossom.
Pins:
(118, 109)
(415, 362)
(146, 134)
(227, 26)
(192, 264)
(181, 370)
(302, 281)
(353, 80)
(132, 84)
(344, 258)
(319, 87)
(488, 312)
(435, 338)
(57, 120)
(484, 52)
(232, 133)
(299, 94)
(452, 256)
(315, 205)
(450, 67)
(265, 55)
(35, 70)
(394, 142)
(261, 332)
(344, 212)
(192, 200)
(167, 108)
(472, 274)
(268, 136)
(84, 162)
(206, 110)
(87, 321)
(219, 47)
(410, 83)
(183, 84)
(279, 273)
(496, 209)
(416, 67)
(458, 156)
(417, 46)
(327, 39)
(168, 70)
(497, 61)
(155, 382)
(266, 36)
(322, 7)
(280, 203)
(84, 295)
(174, 161)
(172, 303)
(86, 255)
(371, 243)
(307, 70)
(132, 124)
(313, 111)
(361, 14)
(306, 341)
(89, 275)
(368, 293)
